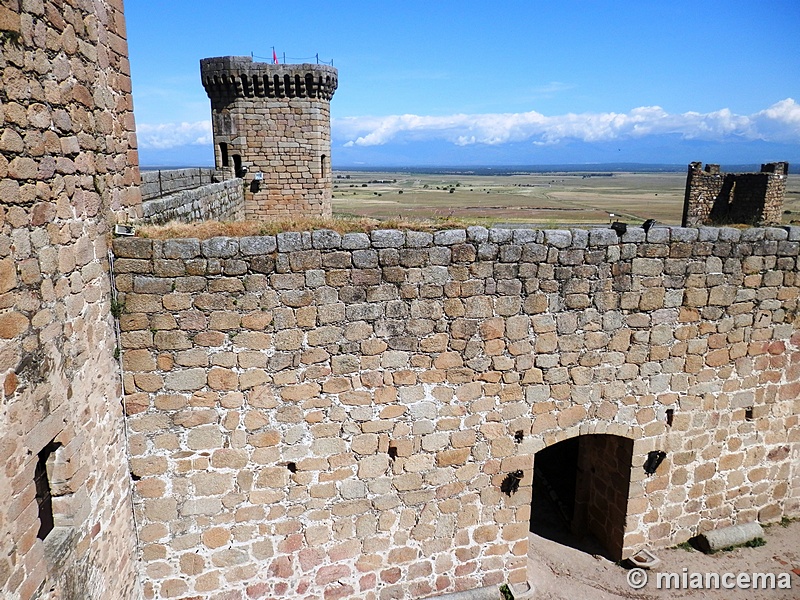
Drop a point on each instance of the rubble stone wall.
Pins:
(163, 182)
(317, 414)
(223, 201)
(68, 171)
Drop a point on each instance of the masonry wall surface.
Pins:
(275, 121)
(222, 201)
(315, 415)
(68, 169)
(163, 182)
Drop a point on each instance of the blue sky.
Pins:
(505, 82)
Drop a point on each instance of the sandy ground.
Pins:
(558, 572)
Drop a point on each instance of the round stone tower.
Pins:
(272, 127)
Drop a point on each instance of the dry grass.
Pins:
(208, 229)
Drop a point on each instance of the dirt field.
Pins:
(558, 572)
(544, 200)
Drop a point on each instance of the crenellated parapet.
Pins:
(227, 78)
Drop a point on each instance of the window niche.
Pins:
(43, 475)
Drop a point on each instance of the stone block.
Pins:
(289, 242)
(387, 238)
(355, 241)
(258, 245)
(185, 380)
(181, 249)
(370, 467)
(452, 457)
(450, 237)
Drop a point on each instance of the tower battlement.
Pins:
(272, 128)
(226, 78)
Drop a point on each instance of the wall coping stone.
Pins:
(603, 237)
(684, 234)
(499, 235)
(324, 239)
(450, 237)
(290, 241)
(477, 233)
(757, 240)
(559, 238)
(729, 234)
(257, 245)
(388, 238)
(658, 235)
(355, 241)
(220, 247)
(185, 248)
(418, 239)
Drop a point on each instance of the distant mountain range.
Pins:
(593, 169)
(501, 170)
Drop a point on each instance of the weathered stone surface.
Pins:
(68, 174)
(389, 376)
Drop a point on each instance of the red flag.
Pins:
(274, 57)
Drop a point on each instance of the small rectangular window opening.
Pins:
(748, 413)
(41, 479)
(670, 416)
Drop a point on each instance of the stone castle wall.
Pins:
(163, 182)
(68, 170)
(273, 120)
(314, 414)
(223, 201)
(713, 197)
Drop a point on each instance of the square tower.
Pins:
(272, 128)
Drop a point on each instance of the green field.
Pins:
(549, 200)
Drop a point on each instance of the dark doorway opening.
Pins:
(580, 493)
(238, 169)
(223, 152)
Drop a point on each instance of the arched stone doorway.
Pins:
(580, 492)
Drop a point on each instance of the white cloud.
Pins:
(778, 123)
(164, 136)
(554, 87)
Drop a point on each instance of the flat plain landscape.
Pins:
(547, 200)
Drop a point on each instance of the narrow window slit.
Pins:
(44, 496)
